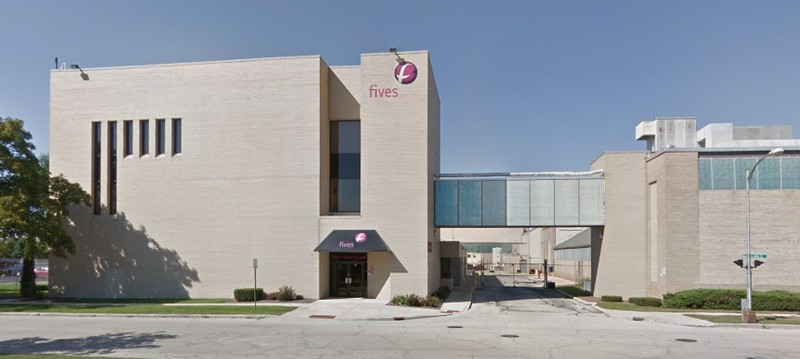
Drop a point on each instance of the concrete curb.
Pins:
(113, 315)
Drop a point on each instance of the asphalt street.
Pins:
(502, 323)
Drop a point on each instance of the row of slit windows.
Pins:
(127, 147)
(161, 137)
(728, 173)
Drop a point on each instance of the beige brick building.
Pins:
(675, 217)
(323, 174)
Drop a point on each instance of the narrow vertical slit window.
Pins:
(96, 158)
(112, 167)
(144, 137)
(127, 129)
(345, 190)
(176, 137)
(161, 140)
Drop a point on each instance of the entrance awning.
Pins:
(353, 240)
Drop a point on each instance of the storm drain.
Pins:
(685, 340)
(509, 336)
(454, 326)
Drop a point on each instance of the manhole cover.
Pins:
(454, 326)
(510, 336)
(684, 340)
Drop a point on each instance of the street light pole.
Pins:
(748, 266)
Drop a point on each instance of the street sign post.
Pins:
(255, 285)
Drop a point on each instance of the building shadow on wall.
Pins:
(104, 344)
(115, 259)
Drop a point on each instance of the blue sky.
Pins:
(525, 85)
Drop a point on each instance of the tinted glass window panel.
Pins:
(769, 174)
(96, 163)
(446, 193)
(128, 138)
(704, 173)
(790, 171)
(723, 173)
(493, 203)
(346, 166)
(469, 203)
(346, 137)
(177, 135)
(161, 137)
(112, 167)
(349, 196)
(144, 137)
(741, 165)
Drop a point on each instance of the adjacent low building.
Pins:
(675, 214)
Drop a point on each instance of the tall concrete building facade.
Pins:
(675, 214)
(322, 174)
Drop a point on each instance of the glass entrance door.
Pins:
(348, 275)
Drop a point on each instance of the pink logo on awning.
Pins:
(361, 237)
(405, 72)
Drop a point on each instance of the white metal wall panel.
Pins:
(542, 199)
(518, 203)
(591, 202)
(566, 202)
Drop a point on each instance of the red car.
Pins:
(41, 272)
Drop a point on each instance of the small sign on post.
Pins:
(755, 255)
(255, 285)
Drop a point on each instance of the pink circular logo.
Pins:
(361, 237)
(405, 72)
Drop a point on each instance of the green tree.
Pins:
(32, 202)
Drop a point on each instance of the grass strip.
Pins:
(42, 356)
(737, 319)
(148, 300)
(639, 308)
(574, 291)
(144, 309)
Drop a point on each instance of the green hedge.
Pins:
(246, 294)
(730, 299)
(645, 301)
(611, 298)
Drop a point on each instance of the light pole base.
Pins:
(749, 316)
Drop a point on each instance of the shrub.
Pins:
(645, 301)
(730, 299)
(413, 300)
(400, 299)
(286, 294)
(408, 300)
(442, 293)
(432, 301)
(298, 297)
(611, 298)
(246, 294)
(272, 296)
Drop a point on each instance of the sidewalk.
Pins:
(680, 318)
(459, 300)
